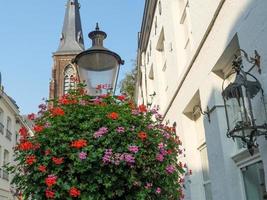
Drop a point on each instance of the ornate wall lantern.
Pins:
(244, 103)
(98, 66)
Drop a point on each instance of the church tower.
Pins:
(71, 44)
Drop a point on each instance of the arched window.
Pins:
(69, 75)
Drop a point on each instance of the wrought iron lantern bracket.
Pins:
(244, 90)
(206, 112)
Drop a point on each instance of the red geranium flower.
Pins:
(131, 105)
(121, 97)
(30, 159)
(74, 192)
(36, 146)
(142, 108)
(42, 168)
(31, 116)
(79, 143)
(57, 161)
(104, 96)
(57, 111)
(142, 135)
(49, 194)
(169, 151)
(47, 152)
(51, 180)
(38, 128)
(65, 100)
(23, 132)
(25, 146)
(113, 115)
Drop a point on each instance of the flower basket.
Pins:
(94, 148)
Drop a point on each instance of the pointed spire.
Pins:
(71, 40)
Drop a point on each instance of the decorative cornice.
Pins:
(148, 16)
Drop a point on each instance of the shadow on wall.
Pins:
(222, 176)
(225, 156)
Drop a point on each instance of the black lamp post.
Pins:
(244, 104)
(98, 66)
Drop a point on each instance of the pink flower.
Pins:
(158, 117)
(83, 102)
(166, 135)
(160, 157)
(170, 169)
(102, 131)
(158, 190)
(120, 129)
(129, 158)
(161, 145)
(107, 156)
(133, 149)
(148, 185)
(31, 116)
(47, 124)
(150, 126)
(82, 155)
(135, 112)
(163, 152)
(117, 158)
(97, 100)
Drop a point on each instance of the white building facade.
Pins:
(185, 53)
(10, 123)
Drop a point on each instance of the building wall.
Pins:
(8, 139)
(204, 36)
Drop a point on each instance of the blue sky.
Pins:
(30, 32)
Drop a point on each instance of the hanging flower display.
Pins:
(92, 148)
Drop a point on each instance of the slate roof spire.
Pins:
(71, 40)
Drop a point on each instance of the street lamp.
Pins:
(244, 103)
(98, 66)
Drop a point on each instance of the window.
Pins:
(161, 40)
(160, 49)
(68, 79)
(8, 128)
(184, 21)
(254, 181)
(205, 172)
(160, 8)
(1, 121)
(151, 73)
(17, 137)
(6, 161)
(8, 124)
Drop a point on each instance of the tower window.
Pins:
(69, 76)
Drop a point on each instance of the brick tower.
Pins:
(71, 44)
